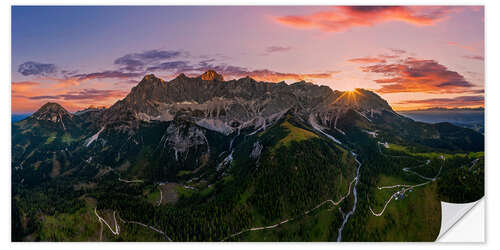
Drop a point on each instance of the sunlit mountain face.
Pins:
(243, 123)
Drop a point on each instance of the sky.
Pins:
(415, 57)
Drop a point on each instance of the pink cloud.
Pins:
(342, 18)
(418, 75)
(367, 60)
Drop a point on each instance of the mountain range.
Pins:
(207, 159)
(472, 118)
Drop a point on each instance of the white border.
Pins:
(492, 20)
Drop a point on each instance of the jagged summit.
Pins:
(211, 75)
(151, 79)
(245, 101)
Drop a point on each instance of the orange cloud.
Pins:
(343, 18)
(28, 96)
(23, 86)
(455, 102)
(367, 60)
(66, 82)
(463, 46)
(26, 104)
(416, 75)
(272, 76)
(474, 57)
(230, 71)
(22, 105)
(94, 95)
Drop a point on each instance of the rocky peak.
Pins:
(50, 108)
(150, 77)
(147, 85)
(246, 79)
(182, 76)
(53, 112)
(211, 75)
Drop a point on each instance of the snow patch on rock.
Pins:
(94, 137)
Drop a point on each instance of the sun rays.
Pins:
(349, 97)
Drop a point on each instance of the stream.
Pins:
(346, 217)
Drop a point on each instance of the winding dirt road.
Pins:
(407, 187)
(102, 220)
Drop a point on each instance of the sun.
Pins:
(351, 92)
